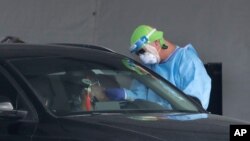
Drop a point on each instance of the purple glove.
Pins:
(115, 93)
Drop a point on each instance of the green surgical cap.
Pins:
(143, 30)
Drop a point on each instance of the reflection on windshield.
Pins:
(132, 66)
(172, 116)
(183, 117)
(66, 85)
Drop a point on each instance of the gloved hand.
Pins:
(115, 93)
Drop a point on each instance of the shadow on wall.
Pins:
(215, 72)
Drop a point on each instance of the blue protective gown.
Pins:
(185, 70)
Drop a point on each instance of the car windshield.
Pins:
(69, 86)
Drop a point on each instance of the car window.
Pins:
(67, 86)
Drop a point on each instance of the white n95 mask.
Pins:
(151, 55)
(148, 58)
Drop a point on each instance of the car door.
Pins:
(17, 122)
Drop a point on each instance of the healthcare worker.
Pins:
(179, 65)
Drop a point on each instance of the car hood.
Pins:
(171, 126)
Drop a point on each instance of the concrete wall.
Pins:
(218, 29)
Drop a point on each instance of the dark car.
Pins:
(56, 92)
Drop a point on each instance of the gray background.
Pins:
(219, 30)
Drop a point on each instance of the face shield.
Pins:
(141, 42)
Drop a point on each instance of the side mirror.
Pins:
(13, 115)
(196, 100)
(7, 111)
(6, 106)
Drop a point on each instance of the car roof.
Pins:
(16, 50)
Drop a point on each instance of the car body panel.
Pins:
(168, 126)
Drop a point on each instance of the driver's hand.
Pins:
(98, 92)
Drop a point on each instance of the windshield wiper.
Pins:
(127, 111)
